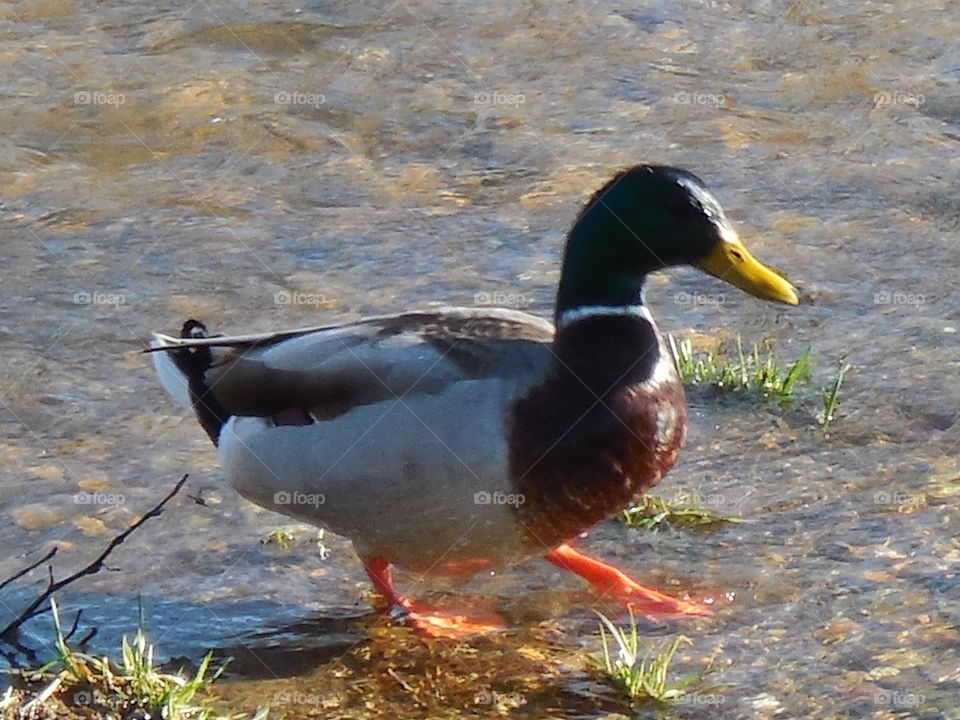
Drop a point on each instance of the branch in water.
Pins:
(34, 608)
(28, 568)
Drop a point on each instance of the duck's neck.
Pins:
(605, 335)
(576, 300)
(580, 313)
(608, 347)
(602, 270)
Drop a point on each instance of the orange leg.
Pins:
(426, 619)
(608, 581)
(378, 570)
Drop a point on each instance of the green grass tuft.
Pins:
(639, 674)
(831, 395)
(756, 369)
(77, 684)
(651, 512)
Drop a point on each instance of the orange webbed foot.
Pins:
(609, 582)
(453, 622)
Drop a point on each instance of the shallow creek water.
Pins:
(262, 165)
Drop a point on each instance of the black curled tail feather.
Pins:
(194, 363)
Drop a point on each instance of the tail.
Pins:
(182, 373)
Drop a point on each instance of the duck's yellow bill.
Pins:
(732, 262)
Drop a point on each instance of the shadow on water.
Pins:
(394, 672)
(262, 639)
(351, 659)
(354, 660)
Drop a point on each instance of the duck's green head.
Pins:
(645, 219)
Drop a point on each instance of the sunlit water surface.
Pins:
(162, 160)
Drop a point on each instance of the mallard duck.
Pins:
(463, 439)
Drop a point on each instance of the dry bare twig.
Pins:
(36, 605)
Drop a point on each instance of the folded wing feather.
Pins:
(328, 370)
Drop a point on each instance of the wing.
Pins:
(326, 371)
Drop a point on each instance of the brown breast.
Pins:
(602, 429)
